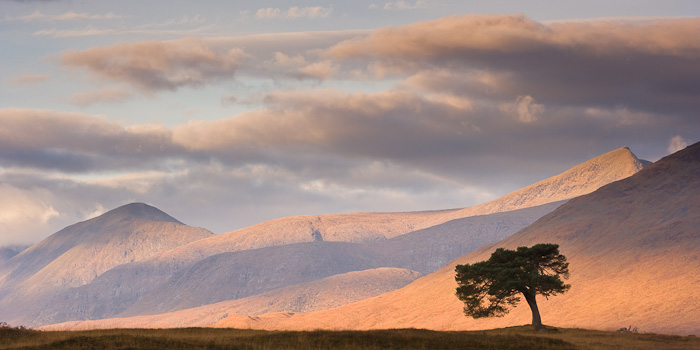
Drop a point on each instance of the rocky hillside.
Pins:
(633, 252)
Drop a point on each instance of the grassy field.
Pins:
(521, 338)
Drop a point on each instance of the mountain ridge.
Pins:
(636, 239)
(151, 280)
(419, 243)
(370, 227)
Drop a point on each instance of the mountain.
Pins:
(373, 227)
(203, 272)
(79, 253)
(431, 248)
(326, 293)
(577, 181)
(147, 288)
(633, 252)
(236, 275)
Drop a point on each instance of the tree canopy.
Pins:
(488, 288)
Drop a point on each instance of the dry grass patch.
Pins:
(598, 340)
(515, 338)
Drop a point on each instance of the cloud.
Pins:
(68, 16)
(25, 214)
(71, 33)
(29, 79)
(294, 12)
(309, 12)
(196, 19)
(648, 65)
(493, 34)
(444, 132)
(299, 67)
(524, 108)
(169, 27)
(388, 124)
(153, 66)
(72, 16)
(72, 142)
(404, 5)
(100, 96)
(266, 13)
(95, 31)
(140, 183)
(676, 144)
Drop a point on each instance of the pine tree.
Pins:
(488, 288)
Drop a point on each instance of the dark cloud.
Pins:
(648, 65)
(73, 142)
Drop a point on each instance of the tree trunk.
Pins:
(536, 319)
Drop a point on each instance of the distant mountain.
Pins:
(79, 253)
(7, 252)
(203, 272)
(251, 272)
(147, 287)
(429, 249)
(326, 293)
(246, 273)
(633, 252)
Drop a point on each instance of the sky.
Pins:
(225, 114)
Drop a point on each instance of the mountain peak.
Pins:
(579, 180)
(79, 253)
(137, 211)
(622, 153)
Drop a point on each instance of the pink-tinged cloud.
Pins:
(445, 37)
(71, 33)
(153, 66)
(383, 125)
(68, 16)
(299, 67)
(459, 35)
(100, 96)
(29, 79)
(642, 65)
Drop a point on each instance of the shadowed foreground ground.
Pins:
(521, 338)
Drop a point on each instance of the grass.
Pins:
(520, 338)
